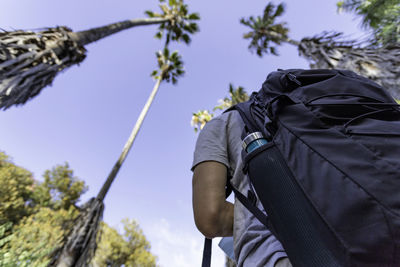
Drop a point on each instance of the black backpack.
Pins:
(329, 177)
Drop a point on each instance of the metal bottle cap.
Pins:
(250, 138)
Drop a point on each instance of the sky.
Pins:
(86, 116)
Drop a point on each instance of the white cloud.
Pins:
(177, 248)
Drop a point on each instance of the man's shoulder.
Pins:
(229, 117)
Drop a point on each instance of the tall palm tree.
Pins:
(80, 244)
(30, 60)
(327, 50)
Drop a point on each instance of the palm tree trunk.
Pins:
(92, 35)
(80, 245)
(129, 143)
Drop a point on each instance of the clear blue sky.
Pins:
(86, 116)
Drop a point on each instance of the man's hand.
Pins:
(212, 213)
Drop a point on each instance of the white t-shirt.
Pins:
(220, 140)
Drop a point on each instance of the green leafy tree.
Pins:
(35, 238)
(36, 217)
(382, 17)
(127, 249)
(60, 188)
(16, 189)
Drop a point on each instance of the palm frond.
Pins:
(331, 50)
(30, 60)
(265, 31)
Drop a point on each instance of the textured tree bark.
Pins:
(92, 35)
(81, 243)
(80, 246)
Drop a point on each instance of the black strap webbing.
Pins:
(207, 253)
(252, 208)
(244, 109)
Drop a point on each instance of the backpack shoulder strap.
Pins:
(250, 205)
(207, 253)
(244, 110)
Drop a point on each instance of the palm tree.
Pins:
(327, 50)
(80, 244)
(265, 31)
(236, 95)
(30, 60)
(201, 117)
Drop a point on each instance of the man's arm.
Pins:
(212, 213)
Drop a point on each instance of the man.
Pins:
(216, 157)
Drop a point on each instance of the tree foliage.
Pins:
(170, 66)
(60, 188)
(127, 249)
(36, 237)
(201, 117)
(265, 30)
(382, 16)
(181, 25)
(35, 218)
(35, 215)
(16, 190)
(236, 95)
